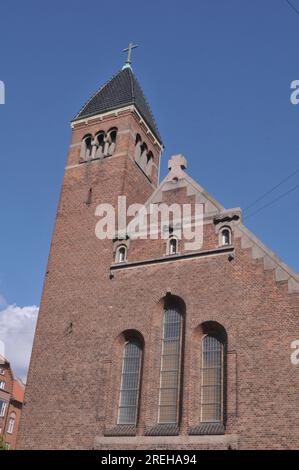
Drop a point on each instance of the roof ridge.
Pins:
(276, 258)
(132, 78)
(147, 103)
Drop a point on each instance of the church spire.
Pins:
(121, 91)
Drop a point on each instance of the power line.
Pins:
(293, 6)
(273, 202)
(271, 190)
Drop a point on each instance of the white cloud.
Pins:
(17, 326)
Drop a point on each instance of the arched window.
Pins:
(212, 379)
(130, 383)
(170, 366)
(86, 148)
(100, 141)
(11, 423)
(138, 144)
(143, 157)
(112, 134)
(121, 254)
(173, 244)
(225, 236)
(150, 160)
(110, 142)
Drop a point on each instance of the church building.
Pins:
(150, 343)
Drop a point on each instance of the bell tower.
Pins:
(117, 123)
(114, 151)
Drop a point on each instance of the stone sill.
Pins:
(226, 441)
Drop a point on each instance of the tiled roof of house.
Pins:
(18, 390)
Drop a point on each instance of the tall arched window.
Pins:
(170, 366)
(212, 379)
(130, 383)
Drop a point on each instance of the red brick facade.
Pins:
(90, 304)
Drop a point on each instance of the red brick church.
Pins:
(144, 343)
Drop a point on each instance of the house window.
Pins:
(121, 254)
(130, 383)
(212, 379)
(11, 423)
(225, 237)
(1, 371)
(3, 406)
(2, 384)
(170, 366)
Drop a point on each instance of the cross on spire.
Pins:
(129, 50)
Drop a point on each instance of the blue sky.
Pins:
(216, 73)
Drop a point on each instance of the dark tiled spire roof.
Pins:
(122, 90)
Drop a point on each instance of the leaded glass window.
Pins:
(170, 367)
(211, 379)
(130, 380)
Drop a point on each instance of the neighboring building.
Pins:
(11, 402)
(148, 344)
